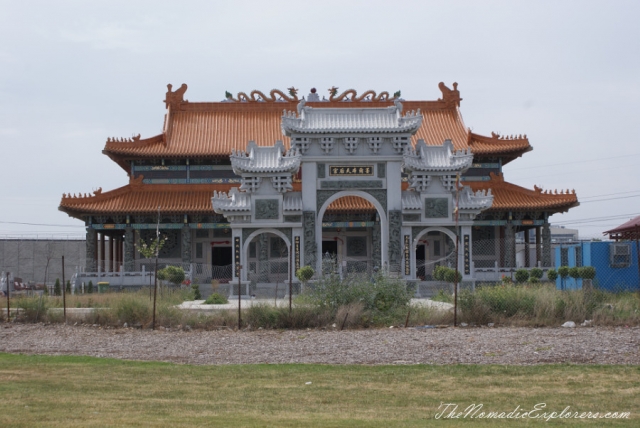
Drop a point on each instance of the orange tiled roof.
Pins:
(508, 196)
(510, 146)
(138, 198)
(214, 129)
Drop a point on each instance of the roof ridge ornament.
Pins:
(175, 98)
(368, 95)
(256, 96)
(451, 97)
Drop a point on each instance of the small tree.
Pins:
(552, 275)
(452, 276)
(57, 291)
(587, 272)
(536, 273)
(304, 274)
(574, 272)
(196, 291)
(438, 272)
(90, 287)
(522, 275)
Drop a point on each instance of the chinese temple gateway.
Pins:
(274, 182)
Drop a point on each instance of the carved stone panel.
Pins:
(310, 238)
(411, 217)
(356, 246)
(186, 244)
(129, 250)
(382, 170)
(91, 256)
(293, 218)
(266, 209)
(395, 240)
(436, 207)
(321, 170)
(376, 245)
(351, 184)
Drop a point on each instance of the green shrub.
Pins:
(522, 275)
(173, 274)
(438, 273)
(57, 291)
(552, 275)
(133, 309)
(452, 276)
(587, 272)
(536, 273)
(379, 293)
(196, 291)
(563, 271)
(305, 273)
(443, 296)
(34, 309)
(216, 299)
(574, 272)
(68, 289)
(534, 280)
(90, 287)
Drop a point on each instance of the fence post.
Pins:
(290, 275)
(64, 293)
(8, 298)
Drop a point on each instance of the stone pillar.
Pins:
(129, 250)
(527, 250)
(538, 246)
(186, 244)
(91, 250)
(102, 253)
(546, 244)
(309, 239)
(395, 240)
(509, 245)
(111, 263)
(263, 258)
(376, 245)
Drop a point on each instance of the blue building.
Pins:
(616, 264)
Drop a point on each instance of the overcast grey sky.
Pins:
(73, 73)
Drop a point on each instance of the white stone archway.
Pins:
(384, 224)
(424, 232)
(245, 246)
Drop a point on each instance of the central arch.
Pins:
(245, 246)
(384, 225)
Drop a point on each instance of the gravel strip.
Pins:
(517, 346)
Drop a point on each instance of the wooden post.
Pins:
(290, 275)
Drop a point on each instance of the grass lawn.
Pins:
(83, 391)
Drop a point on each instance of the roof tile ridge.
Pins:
(134, 142)
(537, 191)
(497, 138)
(97, 196)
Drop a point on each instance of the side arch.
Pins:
(245, 245)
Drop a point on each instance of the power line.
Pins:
(609, 199)
(582, 161)
(609, 194)
(572, 172)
